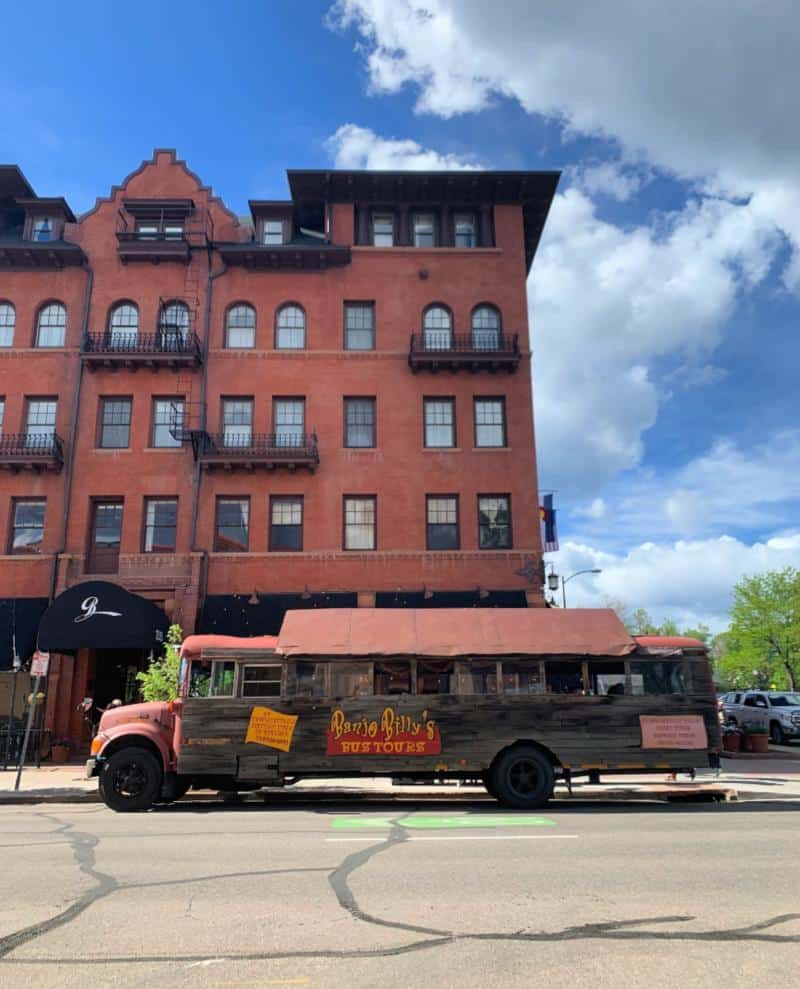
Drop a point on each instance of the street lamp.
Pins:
(565, 581)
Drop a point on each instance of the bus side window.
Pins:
(661, 677)
(477, 678)
(393, 678)
(207, 679)
(523, 677)
(606, 678)
(351, 679)
(434, 676)
(564, 677)
(261, 681)
(306, 679)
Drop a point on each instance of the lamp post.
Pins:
(553, 580)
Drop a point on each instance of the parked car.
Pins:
(776, 710)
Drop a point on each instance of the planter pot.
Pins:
(759, 743)
(732, 741)
(59, 753)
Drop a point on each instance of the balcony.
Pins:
(232, 451)
(161, 230)
(440, 351)
(170, 349)
(18, 254)
(31, 452)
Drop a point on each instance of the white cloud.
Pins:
(607, 303)
(717, 102)
(595, 510)
(687, 581)
(609, 178)
(358, 147)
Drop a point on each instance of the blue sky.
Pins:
(664, 298)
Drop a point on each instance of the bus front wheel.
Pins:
(131, 780)
(523, 778)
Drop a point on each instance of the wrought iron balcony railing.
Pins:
(269, 450)
(480, 350)
(31, 451)
(170, 347)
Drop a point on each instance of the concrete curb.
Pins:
(275, 798)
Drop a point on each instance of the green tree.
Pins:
(762, 646)
(161, 680)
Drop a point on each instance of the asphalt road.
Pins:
(400, 894)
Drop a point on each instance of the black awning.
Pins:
(19, 620)
(100, 615)
(233, 614)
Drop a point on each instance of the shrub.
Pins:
(161, 680)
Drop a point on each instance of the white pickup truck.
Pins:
(776, 710)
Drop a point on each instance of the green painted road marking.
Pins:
(439, 821)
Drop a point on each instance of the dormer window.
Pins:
(273, 232)
(464, 230)
(424, 230)
(42, 228)
(383, 229)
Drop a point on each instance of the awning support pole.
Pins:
(31, 711)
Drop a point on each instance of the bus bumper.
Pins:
(91, 768)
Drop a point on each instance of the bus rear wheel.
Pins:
(131, 780)
(523, 778)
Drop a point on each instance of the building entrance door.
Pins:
(115, 676)
(105, 537)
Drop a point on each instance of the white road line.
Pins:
(465, 837)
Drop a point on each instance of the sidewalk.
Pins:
(774, 777)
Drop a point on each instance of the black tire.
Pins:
(130, 780)
(523, 778)
(776, 734)
(487, 782)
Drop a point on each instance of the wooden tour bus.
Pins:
(517, 698)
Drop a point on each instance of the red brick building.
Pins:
(325, 403)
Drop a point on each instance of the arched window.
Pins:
(8, 317)
(173, 325)
(51, 325)
(240, 326)
(290, 328)
(485, 328)
(437, 325)
(123, 326)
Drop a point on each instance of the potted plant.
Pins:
(757, 738)
(731, 739)
(60, 749)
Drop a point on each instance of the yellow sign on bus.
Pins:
(271, 728)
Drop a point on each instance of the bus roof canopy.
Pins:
(454, 632)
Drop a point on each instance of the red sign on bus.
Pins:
(394, 734)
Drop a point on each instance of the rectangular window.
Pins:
(440, 422)
(305, 679)
(359, 422)
(106, 536)
(40, 425)
(606, 678)
(237, 422)
(173, 231)
(392, 678)
(359, 522)
(478, 677)
(261, 681)
(115, 423)
(351, 679)
(168, 416)
(8, 318)
(359, 326)
(289, 416)
(2, 413)
(464, 230)
(523, 677)
(490, 422)
(665, 677)
(211, 679)
(160, 525)
(286, 524)
(383, 229)
(494, 521)
(273, 231)
(423, 230)
(442, 521)
(564, 677)
(434, 676)
(232, 526)
(42, 228)
(27, 525)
